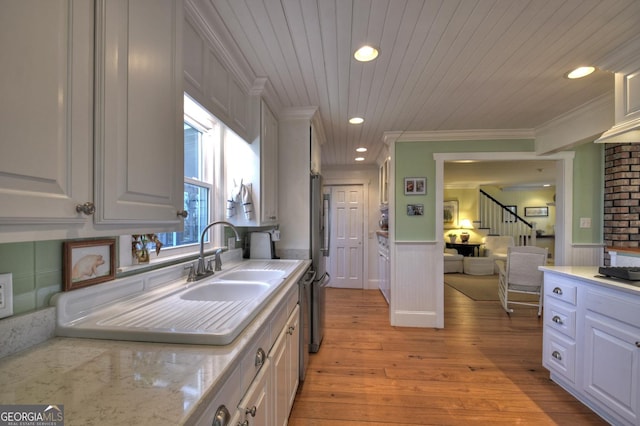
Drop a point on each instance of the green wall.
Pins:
(415, 159)
(588, 192)
(37, 272)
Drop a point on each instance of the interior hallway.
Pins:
(484, 367)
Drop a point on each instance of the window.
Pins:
(202, 134)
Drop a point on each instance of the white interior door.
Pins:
(345, 262)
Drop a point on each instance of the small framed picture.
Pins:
(415, 209)
(536, 211)
(87, 263)
(415, 186)
(450, 214)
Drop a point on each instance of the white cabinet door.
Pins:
(293, 353)
(268, 166)
(139, 114)
(285, 356)
(256, 404)
(612, 366)
(45, 115)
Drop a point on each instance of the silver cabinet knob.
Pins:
(251, 411)
(183, 214)
(290, 330)
(260, 357)
(87, 208)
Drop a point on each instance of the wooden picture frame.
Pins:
(415, 186)
(88, 262)
(536, 211)
(450, 214)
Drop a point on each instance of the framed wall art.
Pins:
(450, 214)
(536, 211)
(87, 263)
(415, 186)
(415, 209)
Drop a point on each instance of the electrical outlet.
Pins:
(6, 295)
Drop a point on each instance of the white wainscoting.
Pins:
(417, 288)
(587, 255)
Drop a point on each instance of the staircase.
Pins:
(497, 219)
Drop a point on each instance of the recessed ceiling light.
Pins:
(580, 72)
(356, 120)
(366, 54)
(361, 149)
(359, 158)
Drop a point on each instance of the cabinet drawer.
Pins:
(229, 395)
(560, 288)
(614, 304)
(250, 362)
(560, 317)
(292, 298)
(559, 354)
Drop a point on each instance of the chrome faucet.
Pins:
(205, 271)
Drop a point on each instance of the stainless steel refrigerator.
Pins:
(320, 232)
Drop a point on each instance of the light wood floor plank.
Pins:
(484, 367)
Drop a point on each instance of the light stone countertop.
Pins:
(590, 274)
(124, 383)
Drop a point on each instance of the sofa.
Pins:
(453, 261)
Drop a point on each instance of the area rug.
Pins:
(481, 287)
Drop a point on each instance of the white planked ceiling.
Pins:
(444, 64)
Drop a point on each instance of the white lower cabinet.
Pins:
(285, 357)
(612, 355)
(262, 385)
(591, 345)
(257, 404)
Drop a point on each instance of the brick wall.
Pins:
(621, 196)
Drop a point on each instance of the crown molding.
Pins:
(458, 135)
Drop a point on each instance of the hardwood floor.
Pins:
(484, 367)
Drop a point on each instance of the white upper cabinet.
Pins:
(268, 166)
(139, 113)
(45, 117)
(90, 119)
(209, 82)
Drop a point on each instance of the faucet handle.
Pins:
(192, 274)
(209, 268)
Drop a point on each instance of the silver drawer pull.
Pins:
(557, 320)
(557, 355)
(222, 416)
(260, 357)
(290, 330)
(638, 344)
(557, 291)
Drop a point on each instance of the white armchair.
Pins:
(496, 247)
